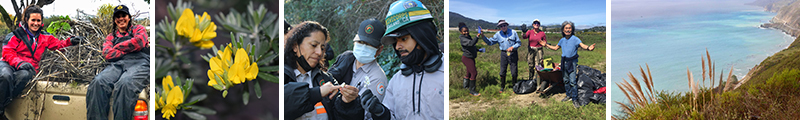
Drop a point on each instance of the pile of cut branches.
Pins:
(79, 62)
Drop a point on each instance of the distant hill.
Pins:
(772, 5)
(455, 18)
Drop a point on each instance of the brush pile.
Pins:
(79, 62)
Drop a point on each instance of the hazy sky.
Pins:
(622, 10)
(582, 12)
(68, 7)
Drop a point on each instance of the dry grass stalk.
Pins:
(635, 92)
(647, 82)
(692, 85)
(709, 72)
(729, 83)
(626, 94)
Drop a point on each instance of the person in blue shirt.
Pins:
(509, 42)
(569, 58)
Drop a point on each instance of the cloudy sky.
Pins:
(582, 12)
(69, 7)
(622, 10)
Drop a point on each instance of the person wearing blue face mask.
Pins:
(359, 67)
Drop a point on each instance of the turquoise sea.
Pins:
(672, 44)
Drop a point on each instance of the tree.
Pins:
(19, 8)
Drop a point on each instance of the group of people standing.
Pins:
(355, 86)
(125, 51)
(509, 42)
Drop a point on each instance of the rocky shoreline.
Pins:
(787, 18)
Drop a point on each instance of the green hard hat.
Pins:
(403, 12)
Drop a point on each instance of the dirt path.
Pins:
(464, 108)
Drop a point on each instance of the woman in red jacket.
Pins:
(127, 51)
(22, 54)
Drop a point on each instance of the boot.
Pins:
(472, 88)
(502, 83)
(566, 98)
(466, 83)
(514, 79)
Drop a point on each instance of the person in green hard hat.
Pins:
(417, 91)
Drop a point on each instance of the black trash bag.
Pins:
(589, 80)
(598, 98)
(585, 89)
(524, 86)
(600, 81)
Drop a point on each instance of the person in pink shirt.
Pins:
(535, 52)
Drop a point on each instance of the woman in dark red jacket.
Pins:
(127, 51)
(22, 54)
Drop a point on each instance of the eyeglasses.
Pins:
(503, 26)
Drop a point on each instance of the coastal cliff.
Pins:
(788, 17)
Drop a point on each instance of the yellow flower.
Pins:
(248, 70)
(200, 30)
(242, 69)
(219, 65)
(212, 80)
(166, 83)
(159, 101)
(236, 72)
(170, 98)
(174, 98)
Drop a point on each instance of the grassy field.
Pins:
(770, 91)
(488, 64)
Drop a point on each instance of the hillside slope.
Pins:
(787, 19)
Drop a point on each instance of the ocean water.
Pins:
(672, 44)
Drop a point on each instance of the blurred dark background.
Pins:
(231, 107)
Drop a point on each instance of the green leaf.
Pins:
(50, 29)
(257, 89)
(220, 81)
(245, 97)
(224, 93)
(194, 115)
(66, 26)
(202, 110)
(184, 59)
(217, 86)
(176, 80)
(197, 98)
(268, 77)
(187, 88)
(268, 69)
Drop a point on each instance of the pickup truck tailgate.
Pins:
(50, 101)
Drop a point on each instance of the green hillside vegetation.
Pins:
(488, 65)
(770, 93)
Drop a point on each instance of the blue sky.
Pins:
(582, 12)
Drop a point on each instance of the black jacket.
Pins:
(468, 46)
(342, 69)
(299, 99)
